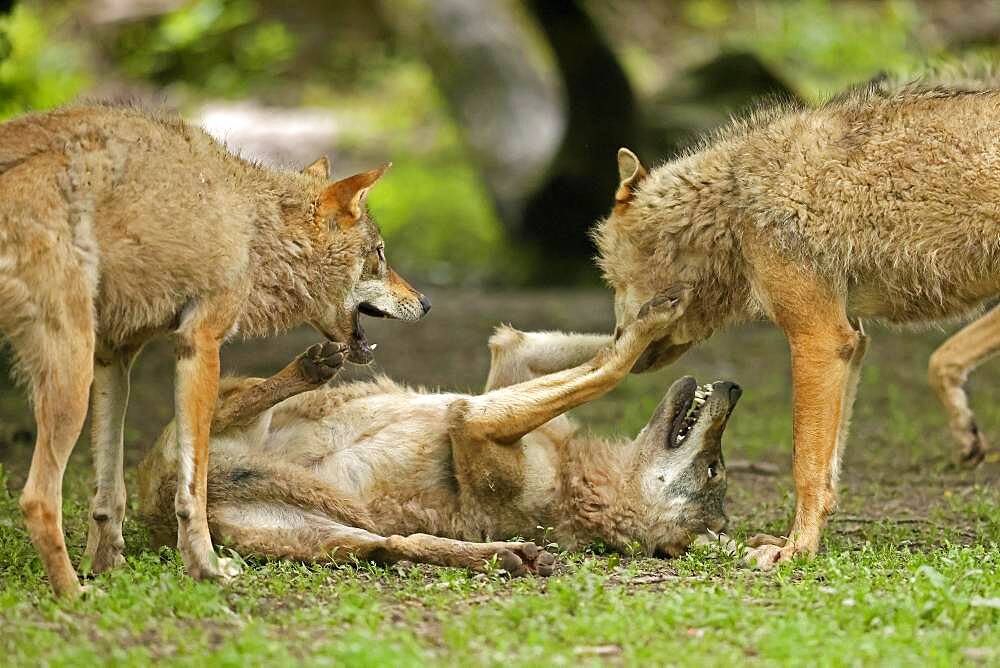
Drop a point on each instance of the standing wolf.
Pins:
(883, 203)
(117, 226)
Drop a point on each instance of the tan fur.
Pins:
(884, 203)
(328, 474)
(117, 226)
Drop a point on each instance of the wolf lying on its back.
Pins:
(330, 473)
(117, 226)
(884, 203)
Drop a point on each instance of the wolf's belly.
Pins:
(396, 439)
(918, 302)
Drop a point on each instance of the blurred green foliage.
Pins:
(437, 217)
(218, 47)
(37, 70)
(821, 46)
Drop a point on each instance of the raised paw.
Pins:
(321, 362)
(663, 309)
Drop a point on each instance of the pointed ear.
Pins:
(319, 168)
(630, 174)
(345, 199)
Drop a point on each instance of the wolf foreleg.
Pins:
(196, 392)
(316, 366)
(826, 356)
(505, 415)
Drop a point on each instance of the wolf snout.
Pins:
(425, 304)
(732, 390)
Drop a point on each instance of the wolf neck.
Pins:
(286, 258)
(594, 499)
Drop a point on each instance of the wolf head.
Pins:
(666, 230)
(681, 471)
(664, 489)
(370, 287)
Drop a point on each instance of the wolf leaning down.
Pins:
(880, 204)
(119, 226)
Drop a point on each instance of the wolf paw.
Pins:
(972, 447)
(321, 362)
(105, 549)
(91, 592)
(763, 557)
(220, 569)
(229, 568)
(205, 564)
(522, 558)
(663, 309)
(104, 560)
(766, 551)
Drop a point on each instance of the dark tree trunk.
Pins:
(602, 118)
(506, 105)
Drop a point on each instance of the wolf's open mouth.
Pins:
(687, 416)
(359, 350)
(371, 310)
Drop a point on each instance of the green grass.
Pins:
(881, 602)
(909, 573)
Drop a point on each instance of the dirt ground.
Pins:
(897, 467)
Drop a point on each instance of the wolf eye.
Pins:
(381, 253)
(713, 470)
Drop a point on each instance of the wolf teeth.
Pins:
(701, 395)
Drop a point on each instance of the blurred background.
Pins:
(502, 119)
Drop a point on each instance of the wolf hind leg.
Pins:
(284, 532)
(517, 356)
(948, 370)
(109, 400)
(58, 363)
